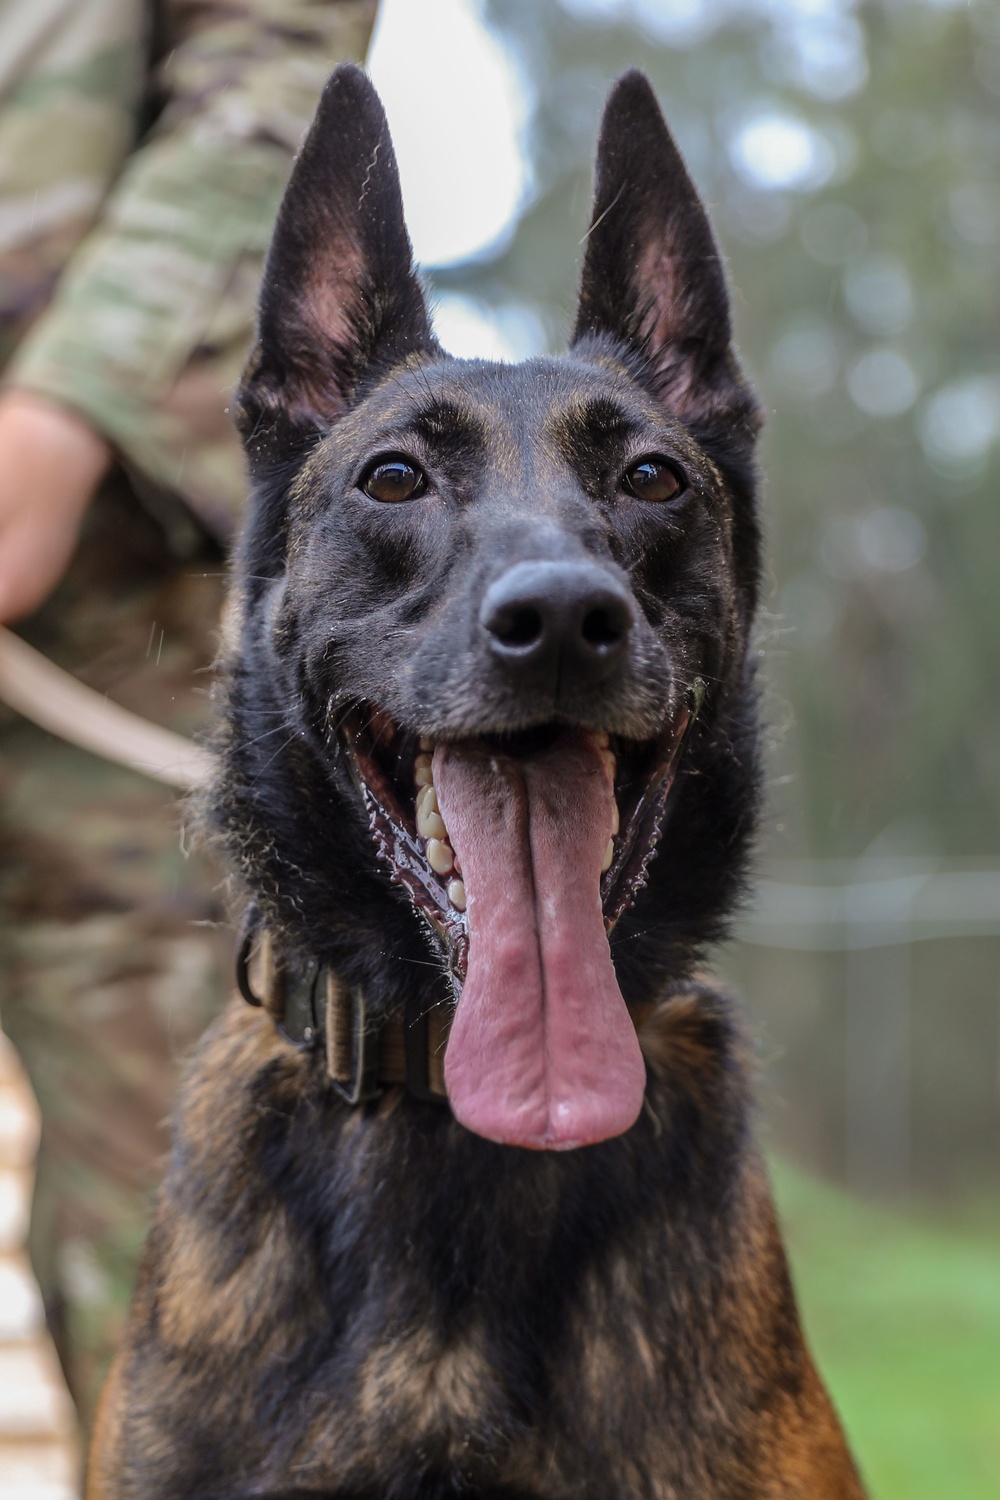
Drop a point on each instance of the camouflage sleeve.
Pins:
(152, 317)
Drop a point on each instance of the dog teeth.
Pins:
(608, 757)
(456, 892)
(609, 855)
(427, 809)
(427, 800)
(602, 740)
(439, 855)
(426, 743)
(615, 819)
(430, 824)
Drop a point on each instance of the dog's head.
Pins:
(493, 624)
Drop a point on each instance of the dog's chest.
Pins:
(493, 1360)
(450, 1411)
(504, 1404)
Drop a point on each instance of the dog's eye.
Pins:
(653, 479)
(394, 479)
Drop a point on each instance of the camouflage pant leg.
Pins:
(71, 77)
(114, 959)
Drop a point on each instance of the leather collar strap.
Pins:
(313, 1007)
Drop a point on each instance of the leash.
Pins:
(59, 703)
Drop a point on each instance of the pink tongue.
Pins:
(542, 1050)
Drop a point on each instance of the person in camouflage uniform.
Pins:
(143, 152)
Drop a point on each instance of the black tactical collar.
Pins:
(314, 1008)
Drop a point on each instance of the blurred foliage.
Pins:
(904, 1320)
(849, 155)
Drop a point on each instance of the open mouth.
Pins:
(522, 851)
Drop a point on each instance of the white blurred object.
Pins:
(39, 1442)
(458, 109)
(961, 422)
(777, 150)
(888, 539)
(879, 294)
(882, 383)
(806, 359)
(22, 1315)
(15, 1207)
(471, 329)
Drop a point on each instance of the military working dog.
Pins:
(469, 1205)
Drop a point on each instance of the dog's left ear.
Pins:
(652, 276)
(340, 298)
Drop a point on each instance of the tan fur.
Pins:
(427, 1388)
(104, 1464)
(198, 1305)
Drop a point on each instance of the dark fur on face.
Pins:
(352, 1303)
(343, 600)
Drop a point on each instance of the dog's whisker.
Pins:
(242, 745)
(274, 756)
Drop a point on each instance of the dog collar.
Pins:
(314, 1008)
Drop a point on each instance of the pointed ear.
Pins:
(652, 274)
(340, 299)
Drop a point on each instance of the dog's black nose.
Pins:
(570, 617)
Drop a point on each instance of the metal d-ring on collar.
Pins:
(289, 987)
(244, 948)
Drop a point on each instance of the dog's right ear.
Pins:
(340, 298)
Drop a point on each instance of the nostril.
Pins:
(559, 617)
(601, 628)
(520, 626)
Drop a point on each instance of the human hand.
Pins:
(51, 462)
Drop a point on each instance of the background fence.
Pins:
(873, 990)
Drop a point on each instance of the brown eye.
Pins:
(653, 479)
(394, 479)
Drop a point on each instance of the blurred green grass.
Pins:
(903, 1316)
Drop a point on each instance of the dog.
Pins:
(469, 1205)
